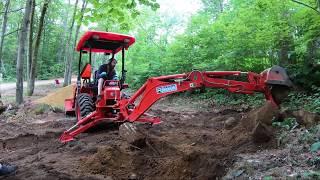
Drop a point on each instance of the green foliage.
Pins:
(267, 178)
(115, 13)
(225, 98)
(305, 76)
(315, 147)
(287, 123)
(244, 35)
(49, 63)
(239, 35)
(307, 137)
(147, 58)
(308, 101)
(311, 175)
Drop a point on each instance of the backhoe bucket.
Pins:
(131, 133)
(276, 76)
(278, 81)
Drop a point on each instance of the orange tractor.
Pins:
(116, 107)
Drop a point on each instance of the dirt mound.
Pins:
(258, 122)
(185, 146)
(105, 159)
(56, 99)
(196, 165)
(161, 161)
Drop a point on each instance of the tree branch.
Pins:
(15, 10)
(306, 5)
(7, 34)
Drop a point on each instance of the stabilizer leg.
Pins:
(78, 128)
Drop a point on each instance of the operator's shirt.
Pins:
(112, 75)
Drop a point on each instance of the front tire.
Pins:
(84, 105)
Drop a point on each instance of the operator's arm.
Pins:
(114, 75)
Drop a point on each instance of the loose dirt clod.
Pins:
(230, 123)
(259, 122)
(262, 133)
(306, 118)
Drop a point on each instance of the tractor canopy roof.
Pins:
(104, 42)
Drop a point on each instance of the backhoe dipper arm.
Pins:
(158, 87)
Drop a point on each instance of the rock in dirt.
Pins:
(262, 133)
(306, 118)
(230, 122)
(133, 176)
(131, 133)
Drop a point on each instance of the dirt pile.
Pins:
(185, 146)
(107, 159)
(56, 99)
(306, 118)
(259, 122)
(157, 161)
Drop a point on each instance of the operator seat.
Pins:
(86, 76)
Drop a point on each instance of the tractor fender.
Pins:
(69, 103)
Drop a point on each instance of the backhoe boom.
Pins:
(158, 87)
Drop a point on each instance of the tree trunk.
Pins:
(84, 5)
(62, 50)
(283, 53)
(3, 32)
(33, 69)
(68, 49)
(311, 52)
(30, 40)
(285, 49)
(21, 51)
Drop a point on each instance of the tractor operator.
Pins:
(106, 72)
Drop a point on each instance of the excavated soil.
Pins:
(190, 144)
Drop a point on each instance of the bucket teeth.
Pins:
(279, 93)
(132, 134)
(130, 127)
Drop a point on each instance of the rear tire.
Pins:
(84, 105)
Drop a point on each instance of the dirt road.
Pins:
(12, 85)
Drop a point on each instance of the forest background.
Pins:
(38, 38)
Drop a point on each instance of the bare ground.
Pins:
(193, 142)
